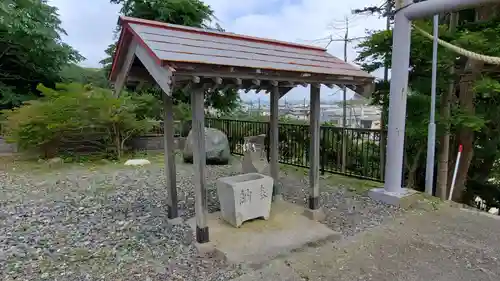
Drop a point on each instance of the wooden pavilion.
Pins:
(195, 59)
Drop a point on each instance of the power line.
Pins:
(349, 40)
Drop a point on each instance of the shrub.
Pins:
(75, 117)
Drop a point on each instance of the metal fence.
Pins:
(362, 146)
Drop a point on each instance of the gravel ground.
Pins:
(346, 211)
(111, 224)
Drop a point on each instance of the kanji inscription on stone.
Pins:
(245, 196)
(263, 192)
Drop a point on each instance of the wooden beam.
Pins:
(346, 78)
(281, 79)
(217, 80)
(124, 70)
(170, 68)
(256, 82)
(248, 71)
(283, 91)
(238, 81)
(274, 143)
(303, 84)
(140, 86)
(187, 87)
(274, 83)
(217, 83)
(160, 74)
(287, 84)
(196, 79)
(168, 139)
(331, 86)
(199, 162)
(314, 128)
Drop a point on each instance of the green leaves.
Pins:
(73, 114)
(73, 73)
(184, 12)
(31, 50)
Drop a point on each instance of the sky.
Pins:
(90, 24)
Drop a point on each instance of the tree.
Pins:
(31, 50)
(183, 12)
(72, 117)
(73, 73)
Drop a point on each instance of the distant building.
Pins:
(358, 115)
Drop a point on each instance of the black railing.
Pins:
(362, 157)
(237, 130)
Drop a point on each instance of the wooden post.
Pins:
(199, 162)
(168, 139)
(274, 143)
(314, 147)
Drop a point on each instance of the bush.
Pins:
(74, 117)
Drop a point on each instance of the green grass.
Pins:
(419, 201)
(359, 186)
(23, 163)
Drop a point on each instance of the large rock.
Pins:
(216, 147)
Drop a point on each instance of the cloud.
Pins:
(90, 24)
(304, 21)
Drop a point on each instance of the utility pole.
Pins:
(431, 138)
(344, 105)
(342, 157)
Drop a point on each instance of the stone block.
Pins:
(176, 221)
(244, 197)
(401, 199)
(254, 157)
(206, 249)
(315, 215)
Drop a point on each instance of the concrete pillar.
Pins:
(199, 162)
(431, 7)
(397, 102)
(274, 143)
(392, 191)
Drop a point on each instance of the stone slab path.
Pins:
(449, 244)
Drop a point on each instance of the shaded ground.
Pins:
(108, 222)
(445, 245)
